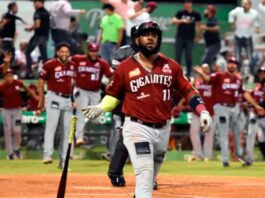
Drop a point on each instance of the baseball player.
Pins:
(227, 86)
(202, 151)
(12, 113)
(120, 156)
(144, 82)
(257, 122)
(59, 74)
(89, 72)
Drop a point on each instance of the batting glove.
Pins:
(206, 121)
(92, 112)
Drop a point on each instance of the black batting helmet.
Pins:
(149, 26)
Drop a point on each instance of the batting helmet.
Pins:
(92, 46)
(150, 26)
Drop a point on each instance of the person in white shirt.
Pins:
(61, 13)
(138, 15)
(244, 20)
(262, 6)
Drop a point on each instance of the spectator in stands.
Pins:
(8, 28)
(5, 59)
(40, 38)
(262, 6)
(138, 15)
(61, 13)
(78, 38)
(20, 64)
(244, 21)
(12, 103)
(187, 21)
(211, 36)
(111, 33)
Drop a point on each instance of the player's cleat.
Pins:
(60, 164)
(18, 154)
(247, 163)
(79, 141)
(47, 160)
(240, 159)
(191, 158)
(155, 187)
(106, 156)
(117, 181)
(226, 164)
(10, 157)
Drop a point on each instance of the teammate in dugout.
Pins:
(12, 113)
(144, 82)
(227, 86)
(257, 122)
(59, 73)
(89, 72)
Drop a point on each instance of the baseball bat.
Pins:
(63, 180)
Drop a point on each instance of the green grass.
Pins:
(212, 168)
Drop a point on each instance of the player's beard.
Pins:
(93, 60)
(148, 52)
(63, 59)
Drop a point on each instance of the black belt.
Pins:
(113, 43)
(227, 105)
(62, 95)
(153, 125)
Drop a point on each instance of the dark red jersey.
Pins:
(226, 88)
(59, 77)
(147, 94)
(258, 93)
(89, 74)
(11, 94)
(205, 90)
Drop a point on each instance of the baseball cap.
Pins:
(152, 5)
(232, 59)
(261, 69)
(92, 46)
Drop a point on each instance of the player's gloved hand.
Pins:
(92, 112)
(205, 120)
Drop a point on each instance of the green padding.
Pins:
(29, 117)
(184, 118)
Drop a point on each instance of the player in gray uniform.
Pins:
(90, 69)
(59, 73)
(226, 88)
(257, 122)
(145, 82)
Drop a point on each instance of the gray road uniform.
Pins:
(58, 106)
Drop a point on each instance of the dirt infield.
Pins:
(40, 186)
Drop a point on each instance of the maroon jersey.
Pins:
(226, 88)
(89, 74)
(258, 93)
(11, 94)
(58, 76)
(205, 90)
(147, 95)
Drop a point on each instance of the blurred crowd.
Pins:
(61, 23)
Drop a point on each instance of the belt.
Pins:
(62, 94)
(227, 105)
(114, 43)
(153, 125)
